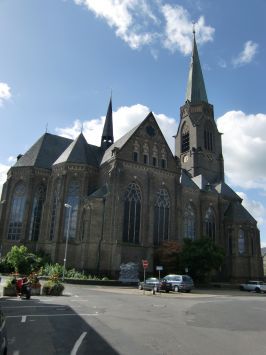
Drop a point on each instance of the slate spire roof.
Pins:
(44, 152)
(80, 152)
(107, 136)
(196, 92)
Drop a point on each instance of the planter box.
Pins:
(9, 291)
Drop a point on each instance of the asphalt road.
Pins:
(107, 320)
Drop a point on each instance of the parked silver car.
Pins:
(257, 286)
(150, 283)
(177, 283)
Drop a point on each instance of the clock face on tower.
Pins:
(151, 131)
(185, 158)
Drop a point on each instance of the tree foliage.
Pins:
(201, 257)
(168, 255)
(22, 261)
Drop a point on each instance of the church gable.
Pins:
(146, 145)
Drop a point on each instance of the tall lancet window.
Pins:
(161, 216)
(208, 137)
(54, 211)
(36, 212)
(17, 212)
(72, 199)
(241, 242)
(209, 224)
(189, 222)
(185, 140)
(132, 212)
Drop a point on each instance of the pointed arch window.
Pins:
(72, 199)
(241, 242)
(189, 222)
(136, 149)
(17, 212)
(36, 212)
(55, 206)
(209, 224)
(185, 139)
(161, 216)
(208, 137)
(132, 213)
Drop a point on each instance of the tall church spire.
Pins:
(107, 136)
(196, 92)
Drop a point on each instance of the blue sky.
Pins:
(60, 59)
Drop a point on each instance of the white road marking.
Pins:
(23, 319)
(47, 306)
(78, 343)
(56, 315)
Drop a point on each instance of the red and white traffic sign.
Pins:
(145, 264)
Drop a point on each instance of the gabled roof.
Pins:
(226, 192)
(237, 213)
(80, 152)
(44, 152)
(186, 180)
(196, 92)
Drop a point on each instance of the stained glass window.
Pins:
(17, 212)
(189, 222)
(161, 216)
(36, 213)
(72, 199)
(132, 213)
(55, 205)
(209, 224)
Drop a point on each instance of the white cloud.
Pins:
(244, 147)
(143, 22)
(5, 93)
(179, 28)
(247, 55)
(124, 119)
(125, 16)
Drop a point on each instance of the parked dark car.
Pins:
(177, 283)
(3, 336)
(149, 284)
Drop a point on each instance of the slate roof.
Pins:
(237, 213)
(80, 152)
(186, 181)
(118, 144)
(44, 152)
(227, 192)
(200, 181)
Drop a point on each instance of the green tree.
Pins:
(201, 257)
(22, 261)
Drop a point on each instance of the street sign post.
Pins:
(145, 265)
(159, 268)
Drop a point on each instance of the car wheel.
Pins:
(257, 289)
(188, 291)
(241, 288)
(176, 289)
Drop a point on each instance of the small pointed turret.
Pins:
(196, 92)
(107, 136)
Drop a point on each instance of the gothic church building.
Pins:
(116, 203)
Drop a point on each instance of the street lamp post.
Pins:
(67, 237)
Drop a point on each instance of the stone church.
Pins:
(118, 202)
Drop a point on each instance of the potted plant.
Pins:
(35, 284)
(9, 288)
(53, 287)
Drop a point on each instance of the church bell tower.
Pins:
(198, 142)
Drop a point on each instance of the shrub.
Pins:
(52, 288)
(22, 261)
